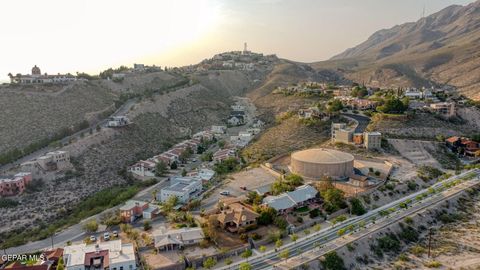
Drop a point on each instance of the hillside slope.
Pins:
(442, 48)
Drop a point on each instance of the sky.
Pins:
(92, 35)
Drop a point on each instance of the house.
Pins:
(112, 255)
(23, 266)
(372, 140)
(224, 154)
(254, 131)
(184, 188)
(151, 212)
(258, 124)
(413, 94)
(14, 185)
(132, 210)
(462, 146)
(288, 201)
(51, 161)
(53, 255)
(143, 168)
(341, 134)
(165, 239)
(118, 121)
(444, 109)
(235, 120)
(203, 174)
(139, 67)
(238, 108)
(235, 215)
(219, 129)
(206, 135)
(37, 77)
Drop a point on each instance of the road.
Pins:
(120, 111)
(306, 246)
(76, 233)
(362, 121)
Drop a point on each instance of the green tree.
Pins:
(146, 225)
(245, 266)
(393, 105)
(209, 263)
(294, 237)
(161, 168)
(278, 243)
(246, 254)
(262, 249)
(284, 254)
(60, 264)
(254, 198)
(334, 199)
(174, 165)
(91, 226)
(169, 204)
(334, 106)
(357, 207)
(207, 156)
(332, 261)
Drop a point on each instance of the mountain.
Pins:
(442, 48)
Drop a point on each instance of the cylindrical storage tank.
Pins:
(318, 162)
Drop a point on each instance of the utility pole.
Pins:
(51, 237)
(429, 242)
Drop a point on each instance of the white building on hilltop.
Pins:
(112, 255)
(37, 77)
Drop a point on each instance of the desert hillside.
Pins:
(439, 49)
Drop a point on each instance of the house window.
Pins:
(121, 267)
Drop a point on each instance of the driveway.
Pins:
(362, 121)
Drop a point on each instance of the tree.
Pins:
(91, 226)
(267, 215)
(173, 165)
(356, 207)
(207, 156)
(334, 106)
(393, 105)
(169, 204)
(334, 199)
(280, 222)
(184, 172)
(262, 249)
(254, 198)
(246, 254)
(161, 168)
(245, 266)
(209, 263)
(294, 237)
(284, 254)
(317, 227)
(60, 264)
(332, 261)
(146, 225)
(278, 243)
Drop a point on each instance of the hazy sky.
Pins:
(92, 35)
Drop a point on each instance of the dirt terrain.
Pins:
(158, 123)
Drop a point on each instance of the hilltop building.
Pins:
(37, 78)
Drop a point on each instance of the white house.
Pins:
(203, 174)
(235, 120)
(118, 121)
(111, 255)
(219, 129)
(184, 188)
(144, 168)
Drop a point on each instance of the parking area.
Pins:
(250, 179)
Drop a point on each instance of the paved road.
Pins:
(323, 237)
(362, 121)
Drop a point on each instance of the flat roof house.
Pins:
(13, 185)
(112, 255)
(144, 168)
(132, 210)
(184, 188)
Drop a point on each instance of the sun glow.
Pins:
(88, 35)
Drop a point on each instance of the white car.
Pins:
(106, 236)
(225, 193)
(93, 238)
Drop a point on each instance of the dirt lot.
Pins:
(250, 179)
(418, 152)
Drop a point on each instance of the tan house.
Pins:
(235, 215)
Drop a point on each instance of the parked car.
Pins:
(115, 234)
(93, 238)
(106, 236)
(243, 188)
(225, 193)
